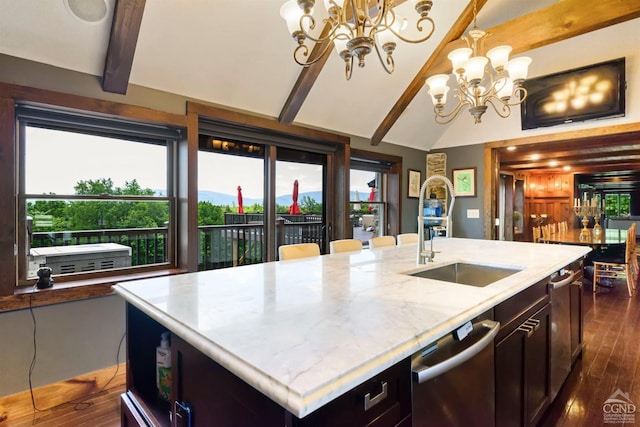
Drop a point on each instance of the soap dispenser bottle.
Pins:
(163, 367)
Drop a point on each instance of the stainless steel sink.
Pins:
(467, 274)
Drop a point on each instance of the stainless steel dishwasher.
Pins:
(560, 363)
(453, 379)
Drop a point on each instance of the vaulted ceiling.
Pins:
(238, 54)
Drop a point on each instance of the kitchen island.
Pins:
(303, 332)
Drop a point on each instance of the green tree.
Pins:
(91, 215)
(210, 214)
(309, 205)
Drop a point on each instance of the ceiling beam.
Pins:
(309, 75)
(306, 79)
(125, 27)
(561, 21)
(440, 52)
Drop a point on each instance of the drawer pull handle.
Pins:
(526, 328)
(529, 326)
(370, 402)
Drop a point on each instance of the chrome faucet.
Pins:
(428, 256)
(423, 255)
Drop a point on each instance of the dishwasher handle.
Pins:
(424, 373)
(565, 281)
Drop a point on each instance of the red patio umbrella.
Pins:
(240, 208)
(294, 209)
(372, 197)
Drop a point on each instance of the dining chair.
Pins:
(546, 233)
(611, 266)
(298, 250)
(562, 227)
(381, 241)
(552, 228)
(537, 234)
(345, 245)
(407, 239)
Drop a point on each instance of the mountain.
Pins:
(222, 199)
(286, 200)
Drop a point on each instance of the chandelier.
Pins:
(478, 85)
(354, 27)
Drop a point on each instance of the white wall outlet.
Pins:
(473, 213)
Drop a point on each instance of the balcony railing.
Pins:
(148, 245)
(220, 245)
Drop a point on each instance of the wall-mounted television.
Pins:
(586, 93)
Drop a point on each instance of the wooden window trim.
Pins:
(14, 297)
(394, 190)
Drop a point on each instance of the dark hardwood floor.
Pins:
(611, 361)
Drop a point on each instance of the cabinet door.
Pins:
(509, 367)
(536, 366)
(214, 395)
(522, 372)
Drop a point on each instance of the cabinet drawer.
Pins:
(513, 311)
(388, 405)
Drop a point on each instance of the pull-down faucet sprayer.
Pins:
(424, 256)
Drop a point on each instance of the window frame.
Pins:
(391, 168)
(93, 125)
(185, 164)
(13, 297)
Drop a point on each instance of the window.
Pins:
(94, 194)
(617, 205)
(232, 173)
(374, 194)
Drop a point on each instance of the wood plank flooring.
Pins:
(89, 400)
(611, 361)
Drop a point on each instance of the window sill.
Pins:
(30, 296)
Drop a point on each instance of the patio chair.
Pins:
(298, 250)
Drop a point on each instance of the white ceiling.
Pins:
(238, 53)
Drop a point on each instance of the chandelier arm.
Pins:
(504, 111)
(448, 117)
(348, 67)
(329, 37)
(388, 65)
(464, 95)
(304, 51)
(419, 27)
(522, 95)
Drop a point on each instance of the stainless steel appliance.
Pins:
(453, 379)
(560, 365)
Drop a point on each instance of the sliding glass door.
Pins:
(252, 198)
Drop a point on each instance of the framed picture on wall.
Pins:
(413, 191)
(464, 182)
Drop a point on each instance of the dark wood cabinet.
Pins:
(213, 393)
(522, 357)
(215, 396)
(522, 372)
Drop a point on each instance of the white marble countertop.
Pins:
(305, 331)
